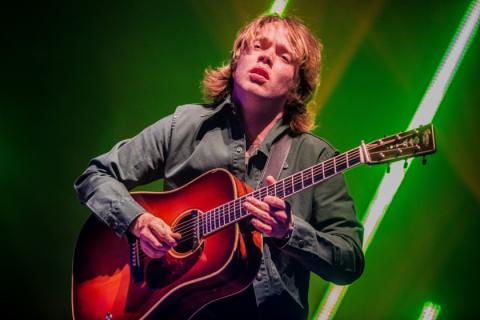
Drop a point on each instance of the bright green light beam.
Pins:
(430, 311)
(424, 115)
(278, 7)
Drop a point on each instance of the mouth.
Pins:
(261, 72)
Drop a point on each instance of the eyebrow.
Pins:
(281, 46)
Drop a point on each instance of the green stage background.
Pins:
(79, 76)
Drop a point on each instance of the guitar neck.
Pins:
(233, 211)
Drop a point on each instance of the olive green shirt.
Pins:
(327, 236)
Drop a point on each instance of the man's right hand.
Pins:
(156, 237)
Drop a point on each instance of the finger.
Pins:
(262, 227)
(177, 235)
(164, 235)
(259, 213)
(279, 215)
(151, 251)
(146, 235)
(275, 202)
(259, 204)
(270, 180)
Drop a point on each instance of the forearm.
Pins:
(108, 199)
(105, 184)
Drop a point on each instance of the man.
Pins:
(259, 97)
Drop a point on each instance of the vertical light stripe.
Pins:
(430, 311)
(278, 7)
(424, 115)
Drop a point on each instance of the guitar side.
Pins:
(177, 285)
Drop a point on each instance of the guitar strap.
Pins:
(276, 159)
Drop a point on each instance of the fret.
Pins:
(212, 220)
(205, 223)
(232, 215)
(243, 212)
(308, 180)
(341, 163)
(263, 192)
(278, 188)
(282, 189)
(271, 190)
(205, 215)
(234, 205)
(222, 218)
(288, 183)
(227, 217)
(318, 174)
(354, 158)
(330, 168)
(298, 182)
(236, 212)
(209, 222)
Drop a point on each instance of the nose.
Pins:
(266, 57)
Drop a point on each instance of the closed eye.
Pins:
(286, 58)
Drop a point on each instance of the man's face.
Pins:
(267, 68)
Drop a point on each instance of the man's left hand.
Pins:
(272, 216)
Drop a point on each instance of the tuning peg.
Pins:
(424, 160)
(405, 164)
(388, 167)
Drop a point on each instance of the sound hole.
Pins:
(186, 226)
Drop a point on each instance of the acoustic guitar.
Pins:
(219, 253)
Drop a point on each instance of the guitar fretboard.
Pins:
(233, 211)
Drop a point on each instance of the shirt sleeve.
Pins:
(104, 186)
(330, 243)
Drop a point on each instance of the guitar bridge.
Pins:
(196, 228)
(136, 261)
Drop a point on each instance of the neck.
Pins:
(259, 115)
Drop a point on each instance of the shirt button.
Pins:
(258, 276)
(301, 243)
(239, 149)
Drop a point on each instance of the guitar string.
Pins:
(216, 221)
(288, 183)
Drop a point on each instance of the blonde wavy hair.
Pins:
(218, 82)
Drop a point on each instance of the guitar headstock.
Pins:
(412, 143)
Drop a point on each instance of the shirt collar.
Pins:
(275, 133)
(227, 102)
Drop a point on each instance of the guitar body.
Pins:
(180, 283)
